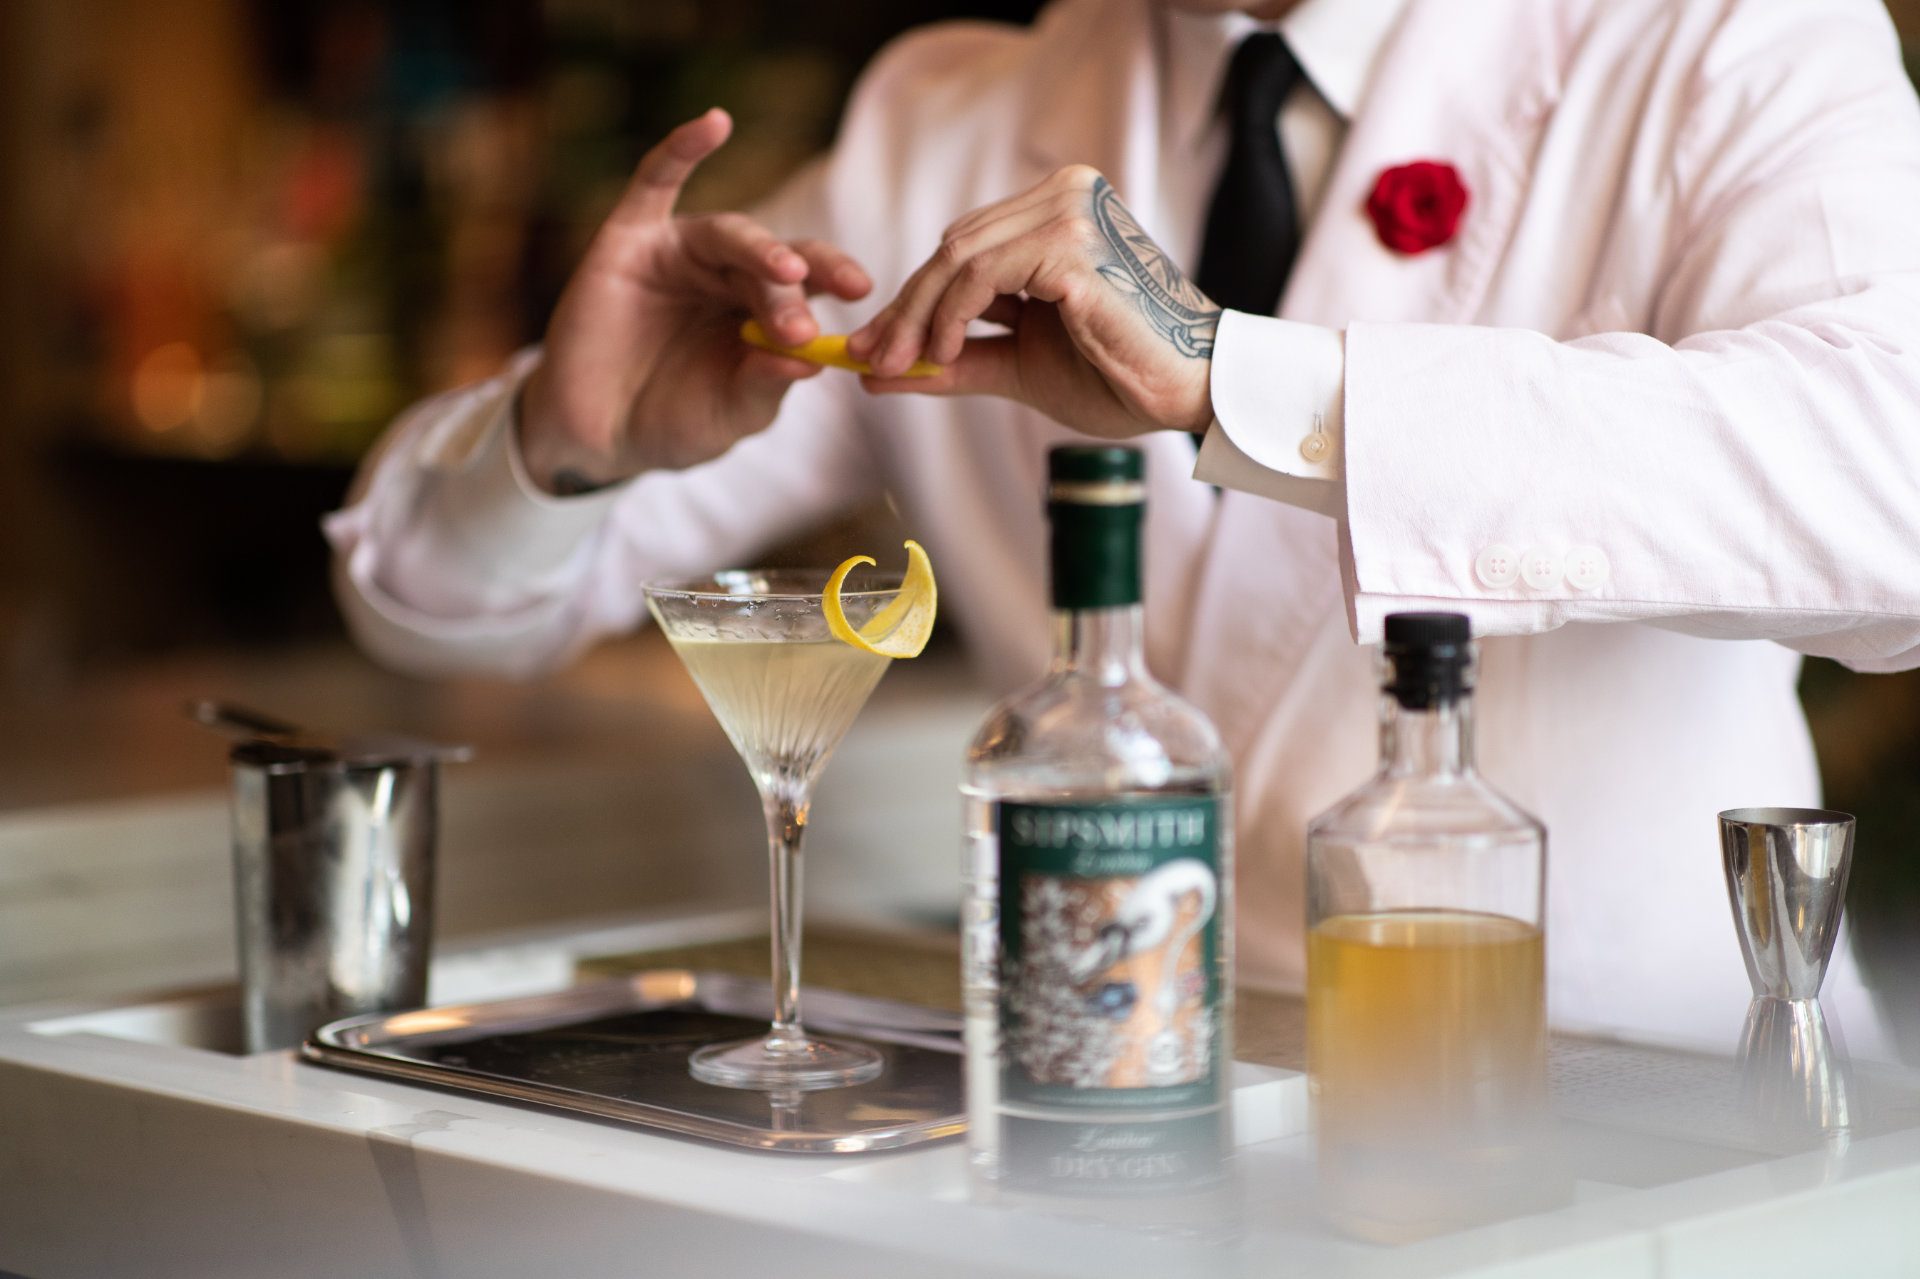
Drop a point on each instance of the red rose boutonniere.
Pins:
(1416, 207)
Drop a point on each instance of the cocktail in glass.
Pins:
(785, 690)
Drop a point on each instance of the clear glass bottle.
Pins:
(1097, 947)
(1426, 968)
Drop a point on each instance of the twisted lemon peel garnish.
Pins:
(901, 628)
(829, 349)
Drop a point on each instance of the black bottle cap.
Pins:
(1427, 658)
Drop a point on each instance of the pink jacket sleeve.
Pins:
(1753, 471)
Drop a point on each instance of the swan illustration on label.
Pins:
(1160, 916)
(1109, 979)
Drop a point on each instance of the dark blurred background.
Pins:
(241, 234)
(237, 235)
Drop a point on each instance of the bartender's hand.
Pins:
(643, 365)
(1107, 335)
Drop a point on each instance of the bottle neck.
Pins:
(1434, 742)
(1098, 632)
(1103, 644)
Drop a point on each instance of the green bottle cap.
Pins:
(1096, 498)
(1095, 463)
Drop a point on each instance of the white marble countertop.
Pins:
(131, 1145)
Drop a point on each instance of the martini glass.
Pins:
(785, 690)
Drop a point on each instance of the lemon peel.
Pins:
(902, 628)
(829, 349)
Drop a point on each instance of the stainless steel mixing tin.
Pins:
(333, 849)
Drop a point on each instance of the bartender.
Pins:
(1596, 322)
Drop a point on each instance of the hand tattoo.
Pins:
(1177, 310)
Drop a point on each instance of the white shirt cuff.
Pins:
(504, 524)
(1221, 463)
(1278, 403)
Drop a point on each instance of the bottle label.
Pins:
(1109, 950)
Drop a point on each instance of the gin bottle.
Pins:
(1097, 947)
(1426, 968)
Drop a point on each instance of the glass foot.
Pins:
(791, 1061)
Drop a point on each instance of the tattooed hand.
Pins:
(1106, 334)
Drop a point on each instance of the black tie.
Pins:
(1253, 228)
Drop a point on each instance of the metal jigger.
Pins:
(1787, 874)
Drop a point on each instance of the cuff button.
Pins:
(1541, 570)
(1497, 567)
(1587, 568)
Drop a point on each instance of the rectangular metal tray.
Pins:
(618, 1050)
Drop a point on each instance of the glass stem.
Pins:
(786, 828)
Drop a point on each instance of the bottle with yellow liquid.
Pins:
(1426, 969)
